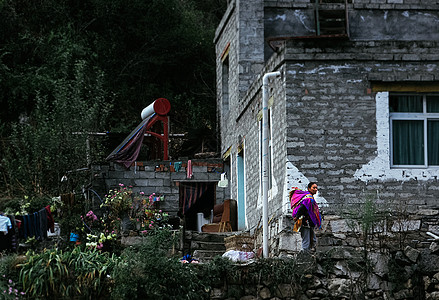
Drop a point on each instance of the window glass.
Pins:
(409, 103)
(433, 142)
(432, 104)
(408, 142)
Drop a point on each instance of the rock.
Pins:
(434, 229)
(341, 269)
(284, 291)
(290, 242)
(341, 236)
(403, 294)
(409, 270)
(265, 293)
(248, 298)
(428, 263)
(427, 282)
(315, 283)
(345, 253)
(217, 293)
(428, 212)
(401, 259)
(409, 284)
(310, 293)
(373, 282)
(339, 287)
(340, 226)
(320, 271)
(412, 254)
(434, 247)
(322, 293)
(433, 296)
(369, 294)
(379, 263)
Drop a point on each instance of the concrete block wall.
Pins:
(242, 32)
(159, 177)
(326, 126)
(332, 117)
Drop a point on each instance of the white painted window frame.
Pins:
(424, 116)
(379, 167)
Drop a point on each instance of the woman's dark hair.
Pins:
(311, 184)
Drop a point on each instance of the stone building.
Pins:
(356, 107)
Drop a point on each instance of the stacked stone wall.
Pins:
(359, 255)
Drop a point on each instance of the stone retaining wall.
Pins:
(341, 273)
(364, 255)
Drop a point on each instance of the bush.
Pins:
(58, 274)
(9, 288)
(147, 271)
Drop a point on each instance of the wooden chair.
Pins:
(224, 218)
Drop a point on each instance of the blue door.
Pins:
(241, 190)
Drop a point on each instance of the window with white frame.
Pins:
(414, 128)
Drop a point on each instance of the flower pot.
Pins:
(74, 237)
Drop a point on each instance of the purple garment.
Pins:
(307, 199)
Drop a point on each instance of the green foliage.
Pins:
(136, 208)
(147, 271)
(60, 77)
(368, 222)
(67, 274)
(54, 140)
(8, 271)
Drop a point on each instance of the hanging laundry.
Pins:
(5, 238)
(13, 233)
(5, 224)
(50, 220)
(189, 169)
(43, 222)
(177, 166)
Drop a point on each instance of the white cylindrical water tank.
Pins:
(160, 106)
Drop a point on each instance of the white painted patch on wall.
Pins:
(281, 17)
(327, 69)
(431, 67)
(354, 81)
(294, 72)
(379, 167)
(295, 178)
(274, 190)
(429, 16)
(302, 17)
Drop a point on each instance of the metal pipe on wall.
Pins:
(265, 97)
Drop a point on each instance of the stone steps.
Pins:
(205, 256)
(205, 246)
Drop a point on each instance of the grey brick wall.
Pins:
(325, 106)
(159, 177)
(332, 115)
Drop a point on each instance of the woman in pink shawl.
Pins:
(305, 208)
